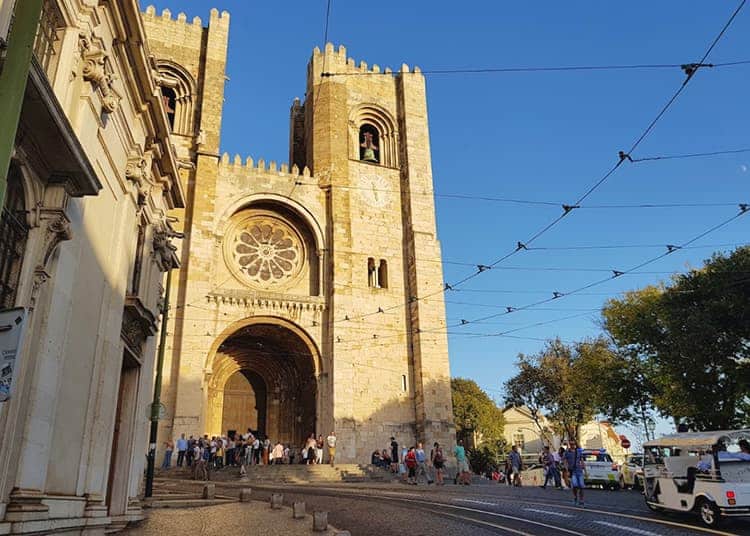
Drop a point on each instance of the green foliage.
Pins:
(485, 458)
(555, 383)
(477, 417)
(685, 346)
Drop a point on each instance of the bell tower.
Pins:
(364, 134)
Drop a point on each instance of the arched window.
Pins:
(13, 234)
(178, 90)
(369, 144)
(373, 136)
(170, 102)
(383, 274)
(372, 273)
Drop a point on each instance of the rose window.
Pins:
(265, 251)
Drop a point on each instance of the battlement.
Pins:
(335, 61)
(215, 19)
(249, 167)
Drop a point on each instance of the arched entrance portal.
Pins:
(264, 377)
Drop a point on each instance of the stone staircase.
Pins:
(293, 474)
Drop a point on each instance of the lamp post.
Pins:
(157, 390)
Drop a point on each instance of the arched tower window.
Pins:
(373, 136)
(170, 102)
(178, 91)
(383, 274)
(369, 144)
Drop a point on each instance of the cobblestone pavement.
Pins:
(379, 510)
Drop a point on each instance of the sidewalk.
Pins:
(250, 518)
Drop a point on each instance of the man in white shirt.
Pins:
(331, 442)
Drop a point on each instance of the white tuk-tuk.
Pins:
(703, 472)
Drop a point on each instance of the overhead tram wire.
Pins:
(690, 70)
(558, 295)
(544, 69)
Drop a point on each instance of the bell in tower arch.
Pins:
(368, 148)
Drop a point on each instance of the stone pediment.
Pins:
(265, 299)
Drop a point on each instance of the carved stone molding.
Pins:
(164, 251)
(138, 324)
(95, 70)
(138, 171)
(57, 230)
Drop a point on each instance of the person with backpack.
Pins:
(410, 461)
(575, 465)
(437, 459)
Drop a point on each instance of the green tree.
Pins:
(553, 383)
(688, 344)
(477, 417)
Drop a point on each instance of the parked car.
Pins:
(632, 472)
(698, 472)
(601, 470)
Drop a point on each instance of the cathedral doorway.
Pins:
(264, 378)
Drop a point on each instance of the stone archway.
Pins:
(272, 363)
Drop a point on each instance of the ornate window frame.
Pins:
(182, 84)
(379, 118)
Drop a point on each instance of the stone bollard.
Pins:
(320, 521)
(209, 491)
(277, 501)
(245, 495)
(298, 510)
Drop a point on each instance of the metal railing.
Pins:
(46, 45)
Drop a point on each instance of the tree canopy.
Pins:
(685, 347)
(475, 413)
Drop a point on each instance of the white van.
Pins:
(702, 472)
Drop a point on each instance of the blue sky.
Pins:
(539, 136)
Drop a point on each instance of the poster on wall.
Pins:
(12, 328)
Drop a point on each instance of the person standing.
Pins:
(551, 471)
(394, 455)
(168, 448)
(256, 451)
(438, 462)
(319, 450)
(410, 461)
(266, 450)
(575, 465)
(331, 441)
(422, 464)
(463, 476)
(182, 446)
(516, 465)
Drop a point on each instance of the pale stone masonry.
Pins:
(316, 284)
(85, 244)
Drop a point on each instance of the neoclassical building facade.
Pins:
(85, 240)
(310, 294)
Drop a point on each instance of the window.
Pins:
(47, 41)
(377, 274)
(177, 89)
(13, 234)
(383, 274)
(372, 273)
(518, 440)
(369, 144)
(170, 102)
(403, 382)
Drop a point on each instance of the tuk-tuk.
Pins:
(702, 472)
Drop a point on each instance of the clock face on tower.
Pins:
(374, 190)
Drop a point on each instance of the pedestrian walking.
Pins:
(319, 450)
(575, 465)
(410, 461)
(394, 455)
(551, 471)
(422, 465)
(463, 475)
(438, 462)
(516, 465)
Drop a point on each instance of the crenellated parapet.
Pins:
(259, 169)
(182, 20)
(335, 61)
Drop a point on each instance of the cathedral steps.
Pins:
(292, 474)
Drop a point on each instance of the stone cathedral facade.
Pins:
(309, 297)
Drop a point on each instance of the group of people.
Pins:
(565, 465)
(413, 465)
(204, 454)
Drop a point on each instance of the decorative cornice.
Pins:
(267, 300)
(95, 71)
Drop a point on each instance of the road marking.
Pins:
(475, 502)
(626, 528)
(495, 514)
(479, 521)
(547, 512)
